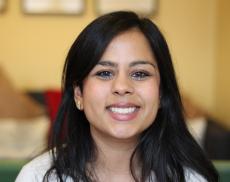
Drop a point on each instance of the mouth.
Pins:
(123, 112)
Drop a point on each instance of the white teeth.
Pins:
(122, 110)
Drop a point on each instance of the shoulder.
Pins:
(190, 176)
(193, 176)
(35, 169)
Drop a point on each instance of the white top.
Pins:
(197, 127)
(35, 170)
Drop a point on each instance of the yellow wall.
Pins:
(223, 62)
(190, 28)
(33, 47)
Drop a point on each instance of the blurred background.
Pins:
(33, 47)
(34, 44)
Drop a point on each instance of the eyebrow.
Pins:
(135, 63)
(107, 63)
(140, 62)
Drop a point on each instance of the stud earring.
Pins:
(78, 104)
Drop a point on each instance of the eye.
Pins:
(140, 75)
(105, 75)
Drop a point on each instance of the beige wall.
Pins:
(223, 62)
(33, 48)
(190, 28)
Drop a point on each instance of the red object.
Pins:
(53, 99)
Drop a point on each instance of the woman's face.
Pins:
(120, 95)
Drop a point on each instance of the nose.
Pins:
(122, 85)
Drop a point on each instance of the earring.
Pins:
(78, 104)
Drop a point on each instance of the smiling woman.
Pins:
(127, 89)
(123, 111)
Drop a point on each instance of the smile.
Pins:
(120, 110)
(123, 112)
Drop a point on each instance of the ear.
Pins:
(78, 96)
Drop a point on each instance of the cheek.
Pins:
(150, 94)
(151, 100)
(94, 93)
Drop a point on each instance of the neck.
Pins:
(113, 155)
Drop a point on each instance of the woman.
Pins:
(122, 109)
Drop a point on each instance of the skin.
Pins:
(125, 77)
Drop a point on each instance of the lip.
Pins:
(123, 116)
(122, 105)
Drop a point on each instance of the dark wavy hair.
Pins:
(166, 147)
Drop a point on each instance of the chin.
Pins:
(124, 135)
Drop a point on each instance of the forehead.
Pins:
(131, 45)
(132, 36)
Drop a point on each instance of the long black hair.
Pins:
(165, 148)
